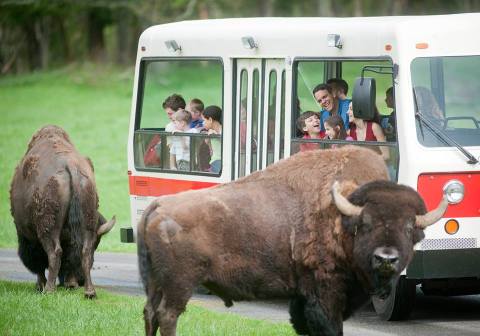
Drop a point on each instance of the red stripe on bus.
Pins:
(430, 186)
(152, 186)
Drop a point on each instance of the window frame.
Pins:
(144, 61)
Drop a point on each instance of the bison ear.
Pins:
(104, 228)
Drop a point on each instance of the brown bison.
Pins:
(285, 232)
(54, 205)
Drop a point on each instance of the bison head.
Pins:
(385, 221)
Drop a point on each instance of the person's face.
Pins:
(312, 124)
(179, 124)
(170, 113)
(195, 114)
(207, 122)
(350, 112)
(389, 101)
(325, 99)
(330, 131)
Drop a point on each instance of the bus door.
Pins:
(259, 114)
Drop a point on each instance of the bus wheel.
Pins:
(399, 304)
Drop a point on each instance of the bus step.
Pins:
(126, 235)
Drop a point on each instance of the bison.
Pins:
(54, 205)
(286, 232)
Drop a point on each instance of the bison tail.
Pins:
(144, 261)
(73, 225)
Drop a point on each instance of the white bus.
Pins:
(262, 72)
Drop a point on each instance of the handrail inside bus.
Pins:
(380, 69)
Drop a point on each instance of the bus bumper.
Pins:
(438, 264)
(126, 235)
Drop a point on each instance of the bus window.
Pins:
(445, 93)
(272, 107)
(309, 74)
(282, 118)
(255, 122)
(160, 79)
(243, 122)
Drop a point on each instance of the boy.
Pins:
(388, 123)
(195, 106)
(309, 124)
(212, 117)
(180, 145)
(340, 88)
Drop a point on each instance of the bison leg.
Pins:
(41, 281)
(34, 258)
(297, 315)
(172, 304)
(87, 262)
(54, 254)
(149, 312)
(318, 321)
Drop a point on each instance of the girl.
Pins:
(335, 129)
(366, 130)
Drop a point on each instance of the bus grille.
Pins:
(448, 244)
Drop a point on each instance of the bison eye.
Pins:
(409, 228)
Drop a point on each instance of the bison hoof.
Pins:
(90, 295)
(40, 287)
(48, 289)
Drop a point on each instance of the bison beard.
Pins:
(285, 232)
(54, 205)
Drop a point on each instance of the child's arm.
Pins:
(173, 162)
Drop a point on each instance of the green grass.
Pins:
(23, 311)
(92, 103)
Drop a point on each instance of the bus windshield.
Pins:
(445, 93)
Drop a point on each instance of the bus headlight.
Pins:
(454, 190)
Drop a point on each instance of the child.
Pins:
(180, 146)
(195, 106)
(309, 124)
(335, 129)
(212, 120)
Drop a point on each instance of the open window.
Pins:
(331, 103)
(154, 145)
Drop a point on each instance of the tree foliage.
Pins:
(39, 34)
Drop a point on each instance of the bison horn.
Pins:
(433, 216)
(344, 205)
(104, 228)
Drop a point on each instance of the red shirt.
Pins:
(311, 146)
(369, 135)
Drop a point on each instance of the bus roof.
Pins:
(281, 37)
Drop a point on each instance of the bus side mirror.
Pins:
(363, 98)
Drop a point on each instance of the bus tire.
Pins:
(399, 304)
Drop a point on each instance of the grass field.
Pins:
(92, 104)
(23, 311)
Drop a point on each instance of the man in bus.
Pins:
(171, 105)
(330, 104)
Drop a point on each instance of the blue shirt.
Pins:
(342, 112)
(196, 123)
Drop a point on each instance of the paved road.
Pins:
(435, 316)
